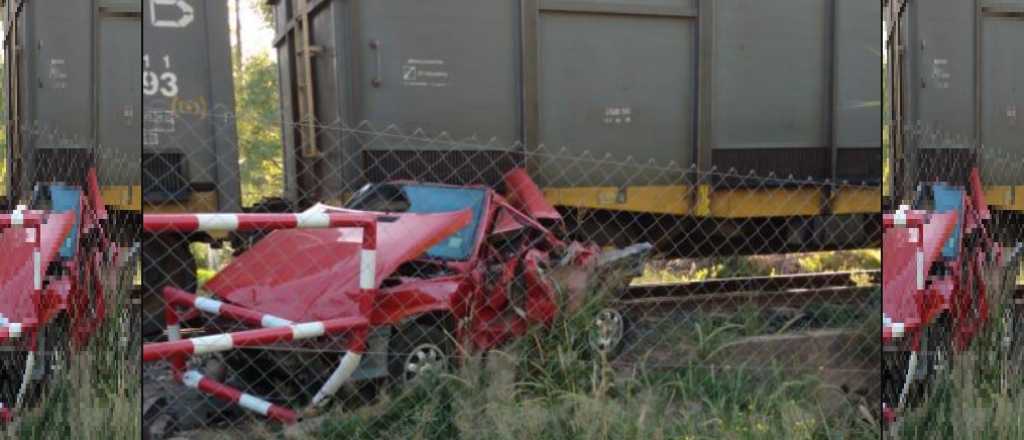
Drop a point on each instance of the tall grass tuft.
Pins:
(98, 394)
(979, 395)
(550, 385)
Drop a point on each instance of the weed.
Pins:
(99, 394)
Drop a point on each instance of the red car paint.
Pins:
(59, 293)
(311, 275)
(32, 296)
(920, 284)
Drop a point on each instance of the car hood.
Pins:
(312, 274)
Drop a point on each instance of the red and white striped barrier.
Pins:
(185, 223)
(892, 329)
(904, 217)
(274, 329)
(175, 296)
(22, 217)
(10, 330)
(193, 379)
(250, 338)
(6, 415)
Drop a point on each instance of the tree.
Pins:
(238, 31)
(266, 11)
(259, 133)
(258, 120)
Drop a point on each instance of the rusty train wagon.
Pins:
(789, 87)
(72, 96)
(956, 78)
(189, 140)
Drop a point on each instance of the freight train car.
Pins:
(957, 68)
(787, 87)
(71, 95)
(189, 141)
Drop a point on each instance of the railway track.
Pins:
(852, 287)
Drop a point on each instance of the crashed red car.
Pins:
(453, 269)
(54, 252)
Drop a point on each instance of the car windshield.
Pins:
(427, 199)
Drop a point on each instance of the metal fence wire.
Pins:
(397, 281)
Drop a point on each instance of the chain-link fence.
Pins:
(962, 197)
(402, 283)
(68, 279)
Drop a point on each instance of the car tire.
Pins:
(416, 347)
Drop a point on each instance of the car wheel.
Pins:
(417, 349)
(607, 332)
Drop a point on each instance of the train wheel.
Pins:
(166, 260)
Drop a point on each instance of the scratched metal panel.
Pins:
(62, 72)
(119, 120)
(187, 91)
(74, 94)
(858, 94)
(771, 74)
(964, 80)
(176, 84)
(443, 66)
(1002, 95)
(607, 87)
(940, 60)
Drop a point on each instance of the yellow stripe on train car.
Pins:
(123, 197)
(667, 199)
(766, 202)
(857, 201)
(736, 203)
(1005, 197)
(198, 202)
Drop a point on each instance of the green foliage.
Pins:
(841, 261)
(266, 11)
(259, 132)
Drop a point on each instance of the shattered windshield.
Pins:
(432, 199)
(428, 199)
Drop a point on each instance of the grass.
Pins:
(99, 395)
(549, 385)
(687, 403)
(979, 396)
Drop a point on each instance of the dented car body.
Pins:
(55, 251)
(482, 266)
(941, 273)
